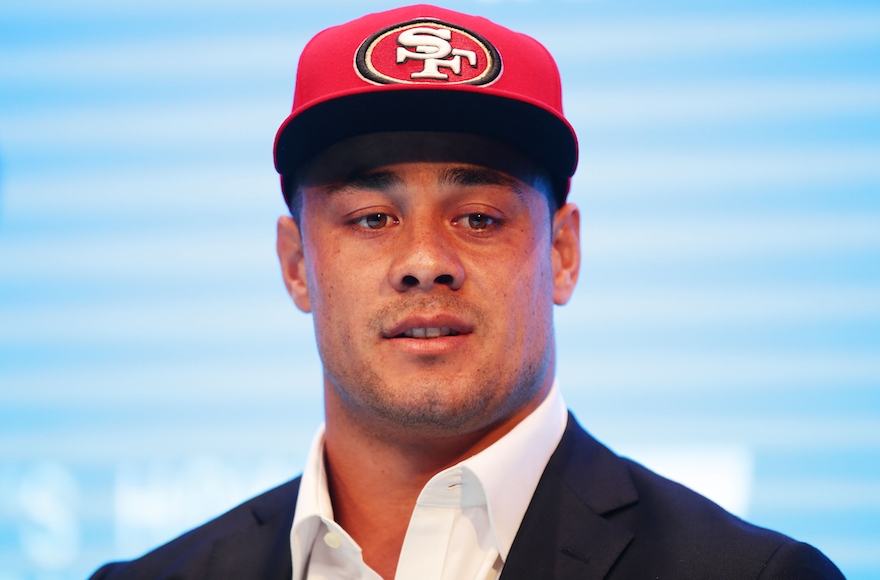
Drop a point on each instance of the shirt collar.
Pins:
(508, 472)
(313, 505)
(510, 468)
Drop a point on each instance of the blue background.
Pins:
(153, 371)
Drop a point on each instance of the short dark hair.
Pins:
(293, 197)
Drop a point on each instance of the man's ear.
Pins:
(293, 264)
(566, 252)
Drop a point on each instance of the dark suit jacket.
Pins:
(594, 515)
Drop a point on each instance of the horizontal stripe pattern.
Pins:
(727, 320)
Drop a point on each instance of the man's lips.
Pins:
(424, 327)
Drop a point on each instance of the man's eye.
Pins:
(373, 221)
(477, 221)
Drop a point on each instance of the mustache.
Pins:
(404, 306)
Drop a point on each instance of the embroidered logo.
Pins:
(427, 51)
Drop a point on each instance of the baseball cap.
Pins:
(424, 68)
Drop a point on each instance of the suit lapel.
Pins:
(262, 549)
(564, 534)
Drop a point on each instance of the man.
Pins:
(426, 165)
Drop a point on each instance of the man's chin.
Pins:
(443, 408)
(449, 399)
(431, 411)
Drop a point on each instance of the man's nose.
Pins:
(425, 259)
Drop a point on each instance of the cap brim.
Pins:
(540, 134)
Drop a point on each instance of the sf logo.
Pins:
(432, 46)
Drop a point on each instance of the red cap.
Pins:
(423, 68)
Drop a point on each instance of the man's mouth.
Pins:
(433, 332)
(428, 326)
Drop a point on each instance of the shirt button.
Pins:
(332, 540)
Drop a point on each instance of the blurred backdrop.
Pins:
(153, 371)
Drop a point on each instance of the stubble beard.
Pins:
(432, 403)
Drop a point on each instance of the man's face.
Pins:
(431, 279)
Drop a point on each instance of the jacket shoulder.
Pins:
(708, 541)
(193, 554)
(801, 561)
(663, 529)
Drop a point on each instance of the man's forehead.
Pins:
(367, 153)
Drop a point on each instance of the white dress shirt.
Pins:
(465, 518)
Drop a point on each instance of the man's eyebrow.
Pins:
(465, 176)
(379, 181)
